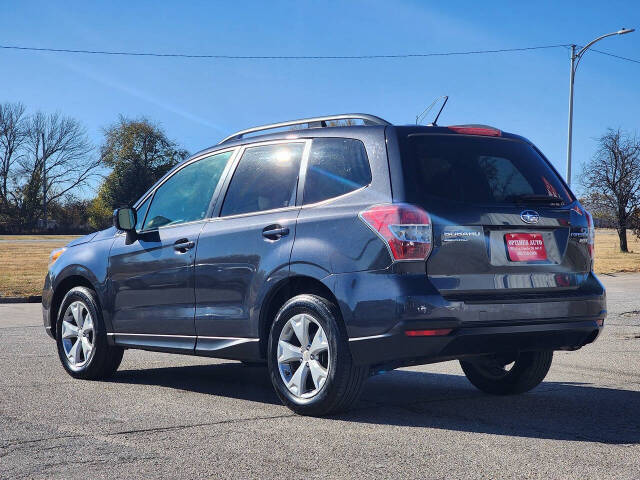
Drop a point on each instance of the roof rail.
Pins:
(312, 122)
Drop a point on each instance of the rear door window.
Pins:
(476, 170)
(266, 178)
(336, 166)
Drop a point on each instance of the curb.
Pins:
(31, 299)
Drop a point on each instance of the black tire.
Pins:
(344, 380)
(104, 359)
(528, 371)
(253, 364)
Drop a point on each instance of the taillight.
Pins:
(591, 238)
(471, 130)
(405, 228)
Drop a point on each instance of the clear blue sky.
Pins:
(200, 101)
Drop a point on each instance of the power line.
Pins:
(276, 57)
(616, 56)
(299, 57)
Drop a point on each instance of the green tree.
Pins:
(138, 153)
(30, 199)
(99, 213)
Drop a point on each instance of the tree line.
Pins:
(48, 164)
(49, 169)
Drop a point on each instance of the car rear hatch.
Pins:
(505, 226)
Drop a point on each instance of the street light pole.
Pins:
(570, 133)
(575, 60)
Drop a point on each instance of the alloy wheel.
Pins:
(78, 334)
(303, 356)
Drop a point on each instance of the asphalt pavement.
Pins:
(177, 416)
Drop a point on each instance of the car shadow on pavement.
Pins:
(554, 410)
(233, 380)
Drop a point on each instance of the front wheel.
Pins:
(82, 338)
(508, 374)
(309, 359)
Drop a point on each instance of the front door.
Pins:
(152, 282)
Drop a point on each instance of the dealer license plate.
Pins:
(525, 247)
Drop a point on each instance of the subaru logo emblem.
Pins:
(530, 216)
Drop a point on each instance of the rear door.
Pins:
(503, 222)
(246, 248)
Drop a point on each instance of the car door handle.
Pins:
(274, 232)
(183, 245)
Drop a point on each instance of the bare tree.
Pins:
(613, 176)
(59, 152)
(13, 133)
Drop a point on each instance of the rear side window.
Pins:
(185, 196)
(477, 170)
(336, 166)
(265, 179)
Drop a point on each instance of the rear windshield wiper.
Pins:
(534, 198)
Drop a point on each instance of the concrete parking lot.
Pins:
(188, 417)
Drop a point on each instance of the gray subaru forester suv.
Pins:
(336, 247)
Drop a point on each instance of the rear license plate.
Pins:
(525, 247)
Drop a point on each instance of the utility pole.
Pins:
(44, 184)
(575, 60)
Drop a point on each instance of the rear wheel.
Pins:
(309, 360)
(253, 364)
(82, 338)
(508, 374)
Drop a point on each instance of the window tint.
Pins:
(336, 166)
(265, 178)
(141, 211)
(185, 196)
(475, 170)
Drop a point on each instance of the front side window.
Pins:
(265, 179)
(336, 166)
(141, 211)
(186, 195)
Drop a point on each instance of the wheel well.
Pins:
(281, 293)
(59, 293)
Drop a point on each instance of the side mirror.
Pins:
(125, 219)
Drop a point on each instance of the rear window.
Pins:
(479, 170)
(336, 166)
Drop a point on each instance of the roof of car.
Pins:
(327, 124)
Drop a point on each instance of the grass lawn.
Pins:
(59, 238)
(24, 259)
(609, 258)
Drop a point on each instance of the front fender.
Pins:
(88, 261)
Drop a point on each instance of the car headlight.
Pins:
(55, 255)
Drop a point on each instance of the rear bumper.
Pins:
(378, 307)
(395, 348)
